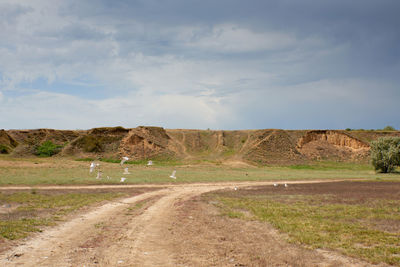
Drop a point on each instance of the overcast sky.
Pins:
(219, 64)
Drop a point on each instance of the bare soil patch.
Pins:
(213, 240)
(354, 191)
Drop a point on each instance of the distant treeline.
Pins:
(387, 128)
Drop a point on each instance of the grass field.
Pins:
(35, 171)
(24, 212)
(359, 219)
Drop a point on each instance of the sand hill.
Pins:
(269, 146)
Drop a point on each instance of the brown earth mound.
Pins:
(7, 143)
(29, 139)
(145, 143)
(269, 146)
(272, 146)
(97, 142)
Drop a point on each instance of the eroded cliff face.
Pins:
(328, 144)
(268, 146)
(7, 143)
(145, 143)
(336, 138)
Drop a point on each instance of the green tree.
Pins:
(385, 154)
(389, 128)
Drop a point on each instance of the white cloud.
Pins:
(233, 38)
(43, 109)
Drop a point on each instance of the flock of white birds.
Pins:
(94, 166)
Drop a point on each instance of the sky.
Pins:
(199, 64)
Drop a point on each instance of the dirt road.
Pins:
(166, 227)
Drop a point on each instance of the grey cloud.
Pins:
(10, 12)
(241, 61)
(74, 32)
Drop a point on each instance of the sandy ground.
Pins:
(166, 227)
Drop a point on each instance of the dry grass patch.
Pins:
(360, 219)
(25, 212)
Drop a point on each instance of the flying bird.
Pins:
(92, 167)
(126, 171)
(173, 175)
(123, 160)
(123, 179)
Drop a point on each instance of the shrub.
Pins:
(48, 149)
(389, 128)
(385, 153)
(4, 149)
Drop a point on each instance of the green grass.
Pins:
(350, 229)
(161, 162)
(34, 171)
(36, 209)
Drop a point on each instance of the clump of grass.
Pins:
(16, 229)
(36, 209)
(85, 159)
(348, 228)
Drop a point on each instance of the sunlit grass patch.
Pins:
(34, 210)
(354, 229)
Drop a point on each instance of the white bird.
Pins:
(286, 185)
(275, 184)
(149, 163)
(235, 188)
(98, 175)
(173, 175)
(123, 179)
(123, 160)
(92, 166)
(126, 171)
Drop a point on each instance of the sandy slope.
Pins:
(155, 233)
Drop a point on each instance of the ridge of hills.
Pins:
(267, 146)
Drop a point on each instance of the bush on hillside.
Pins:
(4, 149)
(48, 149)
(385, 154)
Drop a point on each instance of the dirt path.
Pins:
(150, 229)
